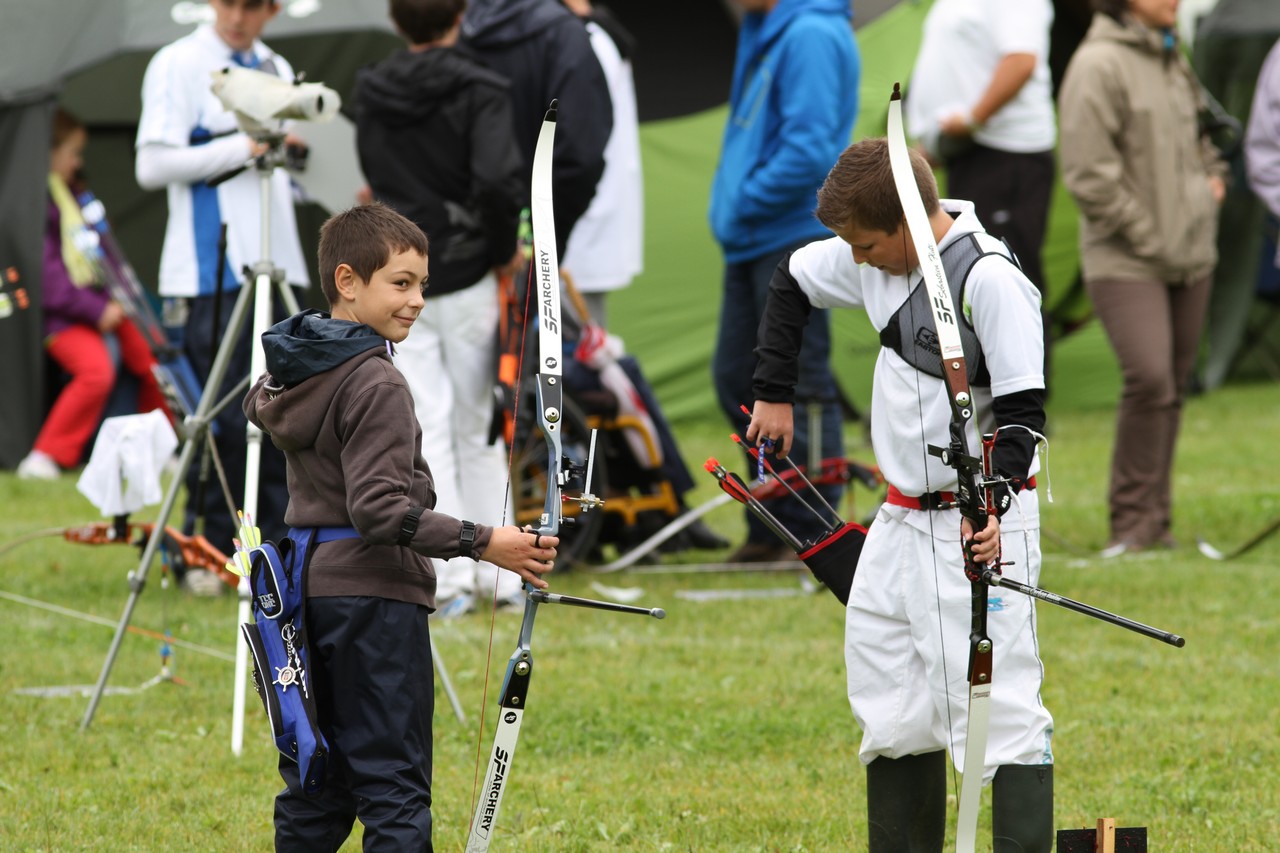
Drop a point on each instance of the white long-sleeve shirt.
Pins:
(178, 110)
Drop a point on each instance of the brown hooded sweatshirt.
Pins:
(335, 404)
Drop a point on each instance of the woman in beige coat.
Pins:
(1148, 186)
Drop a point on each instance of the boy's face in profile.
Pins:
(890, 252)
(389, 301)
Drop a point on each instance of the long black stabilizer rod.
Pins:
(993, 578)
(554, 598)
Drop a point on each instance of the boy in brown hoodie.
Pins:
(333, 401)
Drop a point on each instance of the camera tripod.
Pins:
(196, 427)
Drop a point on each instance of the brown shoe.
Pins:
(761, 552)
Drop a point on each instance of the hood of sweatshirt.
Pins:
(312, 342)
(309, 356)
(410, 85)
(494, 23)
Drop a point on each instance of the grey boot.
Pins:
(1022, 809)
(907, 803)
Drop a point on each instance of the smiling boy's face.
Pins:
(389, 301)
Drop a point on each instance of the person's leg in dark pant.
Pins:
(375, 694)
(1022, 809)
(1011, 193)
(1154, 329)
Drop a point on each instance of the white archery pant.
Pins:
(449, 361)
(907, 640)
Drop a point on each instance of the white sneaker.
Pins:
(1116, 549)
(38, 466)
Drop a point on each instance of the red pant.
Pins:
(82, 352)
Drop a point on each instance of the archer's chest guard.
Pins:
(910, 331)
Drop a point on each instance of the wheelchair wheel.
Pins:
(580, 529)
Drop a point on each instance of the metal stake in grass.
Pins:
(1258, 538)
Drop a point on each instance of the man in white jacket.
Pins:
(185, 138)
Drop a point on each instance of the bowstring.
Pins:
(928, 488)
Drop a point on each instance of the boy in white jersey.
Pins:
(908, 619)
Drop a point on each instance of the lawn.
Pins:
(723, 727)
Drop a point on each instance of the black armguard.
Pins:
(779, 336)
(1015, 447)
(409, 525)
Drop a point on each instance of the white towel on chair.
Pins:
(132, 449)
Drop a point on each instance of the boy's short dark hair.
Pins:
(859, 189)
(364, 238)
(423, 21)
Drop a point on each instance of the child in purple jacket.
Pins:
(78, 315)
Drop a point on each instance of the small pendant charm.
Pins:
(285, 676)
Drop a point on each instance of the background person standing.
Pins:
(1148, 184)
(791, 111)
(433, 129)
(981, 103)
(185, 137)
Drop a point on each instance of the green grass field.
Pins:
(724, 727)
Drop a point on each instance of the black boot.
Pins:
(1022, 809)
(907, 803)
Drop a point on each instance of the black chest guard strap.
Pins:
(918, 346)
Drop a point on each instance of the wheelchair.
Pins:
(639, 498)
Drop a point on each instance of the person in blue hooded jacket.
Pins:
(791, 111)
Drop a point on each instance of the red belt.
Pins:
(930, 500)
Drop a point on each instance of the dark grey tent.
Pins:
(93, 64)
(1231, 42)
(92, 61)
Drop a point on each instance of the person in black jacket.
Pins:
(544, 50)
(433, 130)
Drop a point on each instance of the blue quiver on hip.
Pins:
(277, 639)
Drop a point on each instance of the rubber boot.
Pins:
(1022, 809)
(907, 803)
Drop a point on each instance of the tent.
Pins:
(93, 64)
(1231, 41)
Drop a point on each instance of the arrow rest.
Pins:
(569, 469)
